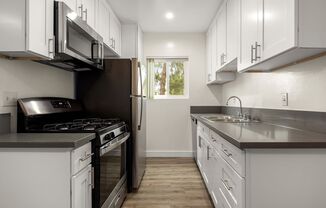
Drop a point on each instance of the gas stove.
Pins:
(109, 148)
(83, 124)
(61, 115)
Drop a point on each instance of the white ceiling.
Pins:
(190, 15)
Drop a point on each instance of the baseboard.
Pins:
(169, 154)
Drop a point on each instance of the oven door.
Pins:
(112, 169)
(75, 39)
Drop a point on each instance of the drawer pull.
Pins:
(226, 184)
(226, 152)
(86, 157)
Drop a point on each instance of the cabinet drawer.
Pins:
(203, 129)
(222, 200)
(232, 186)
(215, 140)
(234, 156)
(81, 157)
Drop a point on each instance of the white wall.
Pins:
(30, 79)
(168, 121)
(305, 83)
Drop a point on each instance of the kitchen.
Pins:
(183, 103)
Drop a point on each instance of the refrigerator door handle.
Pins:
(142, 97)
(137, 96)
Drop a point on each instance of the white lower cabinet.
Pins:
(81, 185)
(260, 178)
(46, 177)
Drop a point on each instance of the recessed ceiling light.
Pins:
(170, 45)
(169, 15)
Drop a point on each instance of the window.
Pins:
(169, 78)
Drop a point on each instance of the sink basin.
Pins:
(228, 119)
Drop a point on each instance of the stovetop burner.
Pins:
(86, 124)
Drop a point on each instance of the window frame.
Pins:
(186, 79)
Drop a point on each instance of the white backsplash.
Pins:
(305, 84)
(29, 79)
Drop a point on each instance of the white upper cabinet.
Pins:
(276, 33)
(232, 30)
(279, 26)
(132, 42)
(29, 33)
(211, 48)
(115, 34)
(103, 23)
(228, 27)
(250, 27)
(86, 10)
(221, 37)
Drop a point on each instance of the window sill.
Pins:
(171, 98)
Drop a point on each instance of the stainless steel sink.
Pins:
(228, 119)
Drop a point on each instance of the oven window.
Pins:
(79, 41)
(111, 171)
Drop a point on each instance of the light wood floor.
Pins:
(170, 183)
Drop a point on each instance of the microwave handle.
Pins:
(92, 48)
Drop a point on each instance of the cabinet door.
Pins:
(214, 50)
(199, 150)
(82, 189)
(251, 11)
(204, 163)
(209, 55)
(279, 27)
(232, 29)
(39, 27)
(115, 33)
(221, 37)
(89, 12)
(103, 23)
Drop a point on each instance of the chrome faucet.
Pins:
(227, 103)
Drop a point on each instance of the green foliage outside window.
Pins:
(169, 77)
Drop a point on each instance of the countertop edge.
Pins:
(49, 145)
(262, 145)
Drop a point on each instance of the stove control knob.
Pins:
(109, 136)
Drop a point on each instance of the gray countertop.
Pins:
(45, 140)
(264, 135)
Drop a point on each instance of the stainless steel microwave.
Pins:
(78, 47)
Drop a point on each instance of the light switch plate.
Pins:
(285, 99)
(9, 98)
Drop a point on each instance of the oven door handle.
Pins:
(108, 148)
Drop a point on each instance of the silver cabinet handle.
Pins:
(213, 139)
(51, 46)
(252, 54)
(226, 152)
(256, 51)
(85, 12)
(226, 184)
(81, 10)
(199, 141)
(86, 157)
(208, 149)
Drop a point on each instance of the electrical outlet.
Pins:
(9, 98)
(285, 99)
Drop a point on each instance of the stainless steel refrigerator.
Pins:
(118, 91)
